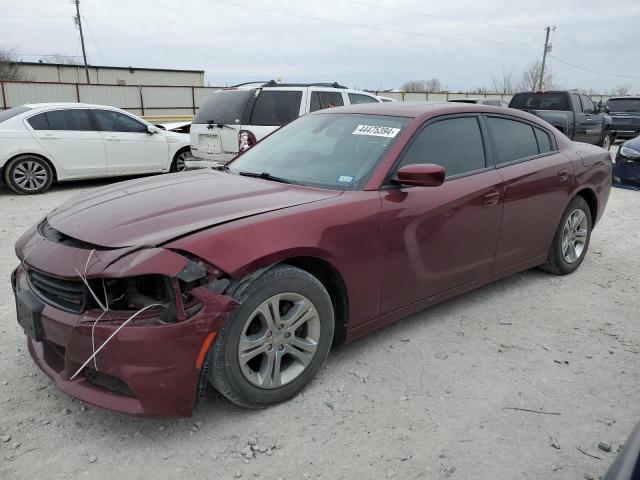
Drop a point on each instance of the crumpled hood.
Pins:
(154, 210)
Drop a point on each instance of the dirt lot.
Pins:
(429, 397)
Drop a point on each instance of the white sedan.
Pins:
(42, 143)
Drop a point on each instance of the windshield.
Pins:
(624, 104)
(539, 101)
(12, 112)
(337, 151)
(224, 107)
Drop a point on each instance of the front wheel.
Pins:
(571, 240)
(606, 141)
(276, 341)
(178, 164)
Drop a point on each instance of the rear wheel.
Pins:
(276, 341)
(606, 141)
(571, 240)
(28, 174)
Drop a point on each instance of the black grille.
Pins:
(69, 295)
(108, 382)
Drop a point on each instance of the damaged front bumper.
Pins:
(152, 366)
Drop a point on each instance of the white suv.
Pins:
(46, 142)
(234, 119)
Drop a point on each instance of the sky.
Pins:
(367, 44)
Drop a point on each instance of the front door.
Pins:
(129, 146)
(438, 238)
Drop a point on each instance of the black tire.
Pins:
(556, 261)
(607, 141)
(39, 168)
(177, 165)
(225, 372)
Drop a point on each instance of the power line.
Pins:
(93, 37)
(590, 70)
(370, 27)
(34, 16)
(438, 17)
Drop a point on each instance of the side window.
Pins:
(322, 100)
(111, 121)
(39, 122)
(356, 98)
(513, 140)
(275, 108)
(587, 105)
(544, 143)
(456, 144)
(76, 120)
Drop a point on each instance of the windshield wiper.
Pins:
(264, 176)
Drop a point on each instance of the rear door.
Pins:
(538, 181)
(438, 238)
(71, 138)
(130, 148)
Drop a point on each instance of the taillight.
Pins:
(246, 140)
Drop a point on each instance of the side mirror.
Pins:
(602, 108)
(151, 130)
(420, 175)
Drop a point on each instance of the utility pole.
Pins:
(547, 49)
(84, 52)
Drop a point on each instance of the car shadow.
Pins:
(217, 411)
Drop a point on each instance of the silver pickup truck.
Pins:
(574, 114)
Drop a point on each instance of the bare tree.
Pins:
(10, 69)
(429, 86)
(505, 83)
(530, 77)
(61, 59)
(621, 90)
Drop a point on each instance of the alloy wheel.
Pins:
(180, 165)
(279, 340)
(574, 236)
(30, 175)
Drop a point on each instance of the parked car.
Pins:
(574, 114)
(337, 224)
(625, 114)
(177, 127)
(626, 171)
(234, 119)
(385, 99)
(45, 142)
(496, 102)
(626, 466)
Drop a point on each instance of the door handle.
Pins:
(490, 199)
(112, 138)
(563, 175)
(588, 117)
(50, 135)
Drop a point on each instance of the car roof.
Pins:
(624, 97)
(66, 105)
(422, 109)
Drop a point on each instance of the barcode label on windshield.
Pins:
(375, 131)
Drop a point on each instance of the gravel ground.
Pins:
(434, 396)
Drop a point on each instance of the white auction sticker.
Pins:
(376, 131)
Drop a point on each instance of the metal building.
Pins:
(103, 75)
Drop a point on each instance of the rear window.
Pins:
(513, 140)
(225, 107)
(322, 100)
(275, 108)
(617, 105)
(540, 101)
(12, 112)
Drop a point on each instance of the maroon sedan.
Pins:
(135, 296)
